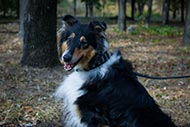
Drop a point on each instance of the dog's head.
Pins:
(79, 43)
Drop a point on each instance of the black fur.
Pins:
(116, 99)
(119, 100)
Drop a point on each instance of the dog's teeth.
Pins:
(68, 67)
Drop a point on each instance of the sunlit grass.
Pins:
(185, 49)
(155, 30)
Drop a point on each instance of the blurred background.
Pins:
(153, 34)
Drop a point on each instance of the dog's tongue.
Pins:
(68, 67)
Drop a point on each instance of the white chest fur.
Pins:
(69, 91)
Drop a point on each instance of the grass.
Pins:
(185, 49)
(26, 94)
(168, 31)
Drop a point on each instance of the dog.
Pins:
(103, 90)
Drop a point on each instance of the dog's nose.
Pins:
(67, 57)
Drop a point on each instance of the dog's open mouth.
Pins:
(70, 66)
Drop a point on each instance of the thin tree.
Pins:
(74, 7)
(91, 6)
(17, 8)
(133, 9)
(122, 15)
(39, 48)
(165, 12)
(86, 9)
(182, 10)
(186, 37)
(148, 17)
(141, 4)
(22, 14)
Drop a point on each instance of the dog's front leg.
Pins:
(93, 122)
(89, 119)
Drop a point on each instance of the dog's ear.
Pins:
(98, 26)
(69, 20)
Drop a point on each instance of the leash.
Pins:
(160, 78)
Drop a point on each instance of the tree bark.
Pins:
(140, 7)
(17, 8)
(39, 49)
(182, 10)
(74, 7)
(86, 8)
(148, 17)
(165, 12)
(174, 14)
(186, 37)
(22, 14)
(122, 15)
(133, 9)
(91, 8)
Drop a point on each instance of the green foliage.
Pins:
(154, 17)
(62, 7)
(185, 49)
(157, 30)
(175, 4)
(98, 3)
(64, 3)
(112, 0)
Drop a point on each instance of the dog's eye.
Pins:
(84, 44)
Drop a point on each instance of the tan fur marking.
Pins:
(97, 27)
(58, 38)
(78, 111)
(58, 41)
(59, 33)
(87, 54)
(64, 46)
(63, 49)
(72, 35)
(82, 38)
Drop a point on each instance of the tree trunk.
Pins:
(148, 17)
(86, 8)
(133, 9)
(40, 34)
(122, 15)
(91, 8)
(165, 12)
(74, 7)
(174, 14)
(17, 8)
(186, 37)
(182, 10)
(140, 7)
(22, 15)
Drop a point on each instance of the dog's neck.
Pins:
(97, 61)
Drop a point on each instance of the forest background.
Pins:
(149, 33)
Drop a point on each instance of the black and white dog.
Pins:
(103, 90)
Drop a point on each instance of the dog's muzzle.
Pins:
(69, 62)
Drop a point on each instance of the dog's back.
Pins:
(119, 100)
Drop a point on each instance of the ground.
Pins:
(26, 94)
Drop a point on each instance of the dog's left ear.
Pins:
(98, 26)
(70, 20)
